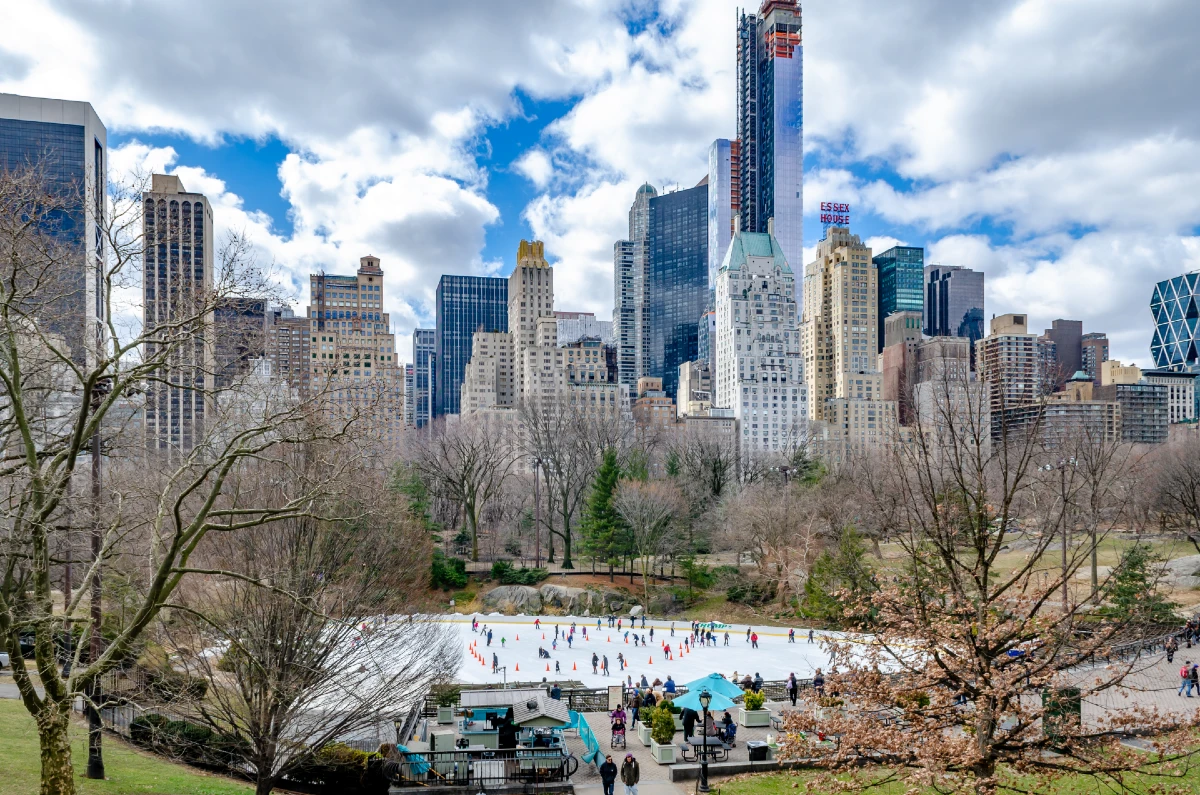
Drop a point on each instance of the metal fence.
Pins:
(481, 768)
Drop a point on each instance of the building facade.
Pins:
(1181, 393)
(1093, 352)
(630, 261)
(574, 326)
(177, 236)
(424, 342)
(901, 282)
(464, 305)
(724, 202)
(676, 281)
(770, 116)
(760, 372)
(1145, 410)
(289, 349)
(1175, 307)
(1009, 362)
(695, 389)
(954, 303)
(68, 143)
(1067, 336)
(840, 325)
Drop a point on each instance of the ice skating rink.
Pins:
(774, 658)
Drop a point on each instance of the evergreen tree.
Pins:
(843, 568)
(1134, 594)
(602, 527)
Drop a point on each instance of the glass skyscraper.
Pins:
(465, 304)
(901, 276)
(424, 356)
(770, 123)
(723, 203)
(68, 143)
(1175, 305)
(954, 303)
(676, 280)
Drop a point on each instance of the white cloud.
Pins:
(535, 166)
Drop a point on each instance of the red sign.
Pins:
(835, 213)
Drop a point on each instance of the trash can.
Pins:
(758, 750)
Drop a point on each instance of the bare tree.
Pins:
(648, 509)
(1176, 471)
(467, 462)
(961, 645)
(62, 325)
(781, 530)
(311, 627)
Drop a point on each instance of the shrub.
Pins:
(445, 695)
(754, 700)
(751, 593)
(447, 573)
(505, 573)
(174, 685)
(662, 725)
(335, 768)
(917, 699)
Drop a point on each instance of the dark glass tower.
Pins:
(953, 302)
(465, 304)
(676, 280)
(770, 169)
(901, 274)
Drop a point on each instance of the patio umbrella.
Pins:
(715, 684)
(692, 699)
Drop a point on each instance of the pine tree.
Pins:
(1134, 594)
(602, 526)
(842, 568)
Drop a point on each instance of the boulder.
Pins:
(1183, 572)
(560, 596)
(512, 599)
(635, 611)
(582, 601)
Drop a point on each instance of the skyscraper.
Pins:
(760, 373)
(840, 325)
(1067, 336)
(177, 233)
(901, 282)
(1175, 305)
(424, 343)
(954, 303)
(770, 123)
(464, 305)
(629, 285)
(1093, 353)
(1010, 363)
(69, 143)
(676, 281)
(724, 202)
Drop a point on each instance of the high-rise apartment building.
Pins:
(574, 326)
(1009, 362)
(177, 235)
(760, 372)
(624, 312)
(1175, 306)
(770, 116)
(1093, 352)
(68, 143)
(724, 201)
(240, 324)
(530, 300)
(424, 342)
(898, 361)
(1067, 336)
(840, 324)
(1181, 393)
(464, 305)
(676, 281)
(289, 348)
(954, 302)
(409, 397)
(706, 336)
(901, 282)
(354, 359)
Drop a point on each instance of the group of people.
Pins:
(630, 774)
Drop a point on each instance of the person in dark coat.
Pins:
(608, 774)
(688, 716)
(630, 774)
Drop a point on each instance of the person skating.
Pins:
(557, 670)
(791, 636)
(726, 638)
(604, 665)
(651, 633)
(754, 641)
(747, 634)
(489, 638)
(643, 620)
(621, 661)
(608, 774)
(537, 623)
(810, 636)
(630, 774)
(672, 629)
(595, 662)
(495, 663)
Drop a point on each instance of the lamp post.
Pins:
(399, 724)
(705, 700)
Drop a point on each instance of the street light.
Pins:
(705, 700)
(399, 724)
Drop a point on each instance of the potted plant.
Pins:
(662, 736)
(643, 725)
(676, 714)
(446, 697)
(751, 713)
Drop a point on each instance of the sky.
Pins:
(1052, 144)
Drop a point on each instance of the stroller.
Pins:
(618, 736)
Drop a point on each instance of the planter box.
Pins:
(643, 732)
(445, 715)
(678, 723)
(751, 718)
(663, 754)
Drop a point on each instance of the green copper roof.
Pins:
(1080, 375)
(753, 244)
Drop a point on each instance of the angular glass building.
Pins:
(465, 304)
(901, 276)
(954, 303)
(676, 291)
(1175, 305)
(770, 114)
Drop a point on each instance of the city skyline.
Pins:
(465, 164)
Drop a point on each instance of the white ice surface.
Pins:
(774, 658)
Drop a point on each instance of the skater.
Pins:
(626, 636)
(554, 644)
(604, 665)
(635, 639)
(810, 636)
(502, 642)
(619, 626)
(598, 623)
(726, 638)
(672, 629)
(595, 662)
(651, 633)
(556, 631)
(489, 638)
(569, 639)
(495, 663)
(537, 623)
(791, 636)
(621, 661)
(643, 620)
(557, 670)
(754, 641)
(747, 634)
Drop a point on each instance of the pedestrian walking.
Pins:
(819, 683)
(1171, 646)
(630, 775)
(1194, 680)
(608, 774)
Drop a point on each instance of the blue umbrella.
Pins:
(692, 700)
(715, 684)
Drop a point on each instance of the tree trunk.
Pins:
(264, 786)
(58, 775)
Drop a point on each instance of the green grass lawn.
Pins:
(128, 770)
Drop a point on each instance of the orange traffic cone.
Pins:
(626, 641)
(609, 639)
(543, 636)
(547, 666)
(518, 637)
(518, 666)
(651, 661)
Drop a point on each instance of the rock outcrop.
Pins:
(513, 599)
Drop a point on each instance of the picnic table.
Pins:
(698, 749)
